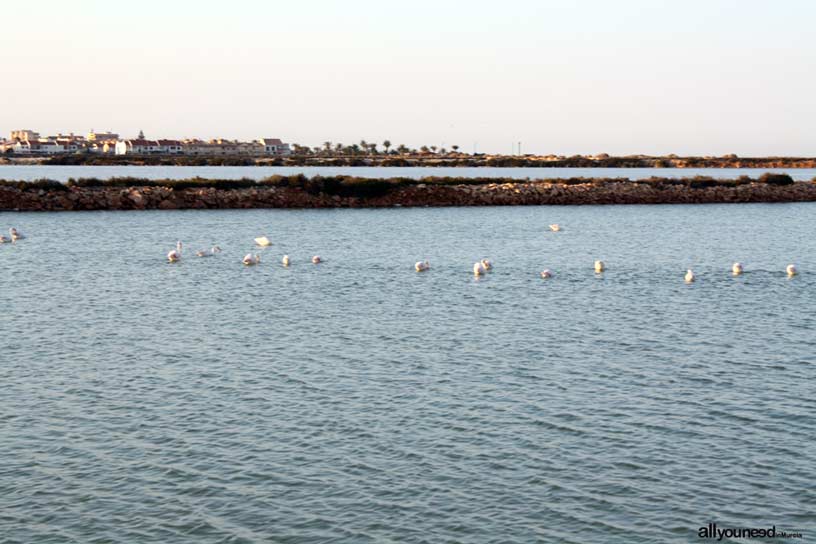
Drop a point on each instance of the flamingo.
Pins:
(175, 255)
(555, 227)
(736, 269)
(689, 276)
(15, 234)
(208, 253)
(250, 259)
(263, 241)
(285, 260)
(487, 264)
(3, 239)
(479, 269)
(546, 274)
(599, 267)
(422, 266)
(791, 270)
(316, 259)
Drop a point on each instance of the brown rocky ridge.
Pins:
(350, 192)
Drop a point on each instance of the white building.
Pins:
(274, 146)
(136, 147)
(149, 147)
(71, 146)
(170, 147)
(38, 148)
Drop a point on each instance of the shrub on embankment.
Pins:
(775, 179)
(346, 191)
(36, 185)
(360, 187)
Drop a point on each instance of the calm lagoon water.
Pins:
(64, 173)
(359, 401)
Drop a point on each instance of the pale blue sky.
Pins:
(691, 77)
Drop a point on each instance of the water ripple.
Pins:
(358, 401)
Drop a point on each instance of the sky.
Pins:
(565, 77)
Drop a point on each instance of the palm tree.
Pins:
(433, 149)
(455, 148)
(327, 145)
(338, 148)
(300, 149)
(372, 148)
(401, 149)
(386, 144)
(363, 144)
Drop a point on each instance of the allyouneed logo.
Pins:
(712, 531)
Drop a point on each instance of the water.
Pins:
(359, 401)
(64, 173)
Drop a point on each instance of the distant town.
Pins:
(31, 143)
(109, 148)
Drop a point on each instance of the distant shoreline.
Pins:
(450, 160)
(353, 192)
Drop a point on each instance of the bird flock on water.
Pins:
(480, 268)
(250, 259)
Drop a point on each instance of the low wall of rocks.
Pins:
(494, 194)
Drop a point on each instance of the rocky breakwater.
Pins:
(299, 192)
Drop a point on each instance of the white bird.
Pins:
(208, 253)
(736, 269)
(791, 270)
(250, 259)
(316, 259)
(422, 266)
(285, 260)
(479, 269)
(487, 264)
(555, 227)
(175, 255)
(546, 274)
(15, 234)
(599, 267)
(263, 241)
(689, 276)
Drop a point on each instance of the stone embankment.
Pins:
(23, 198)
